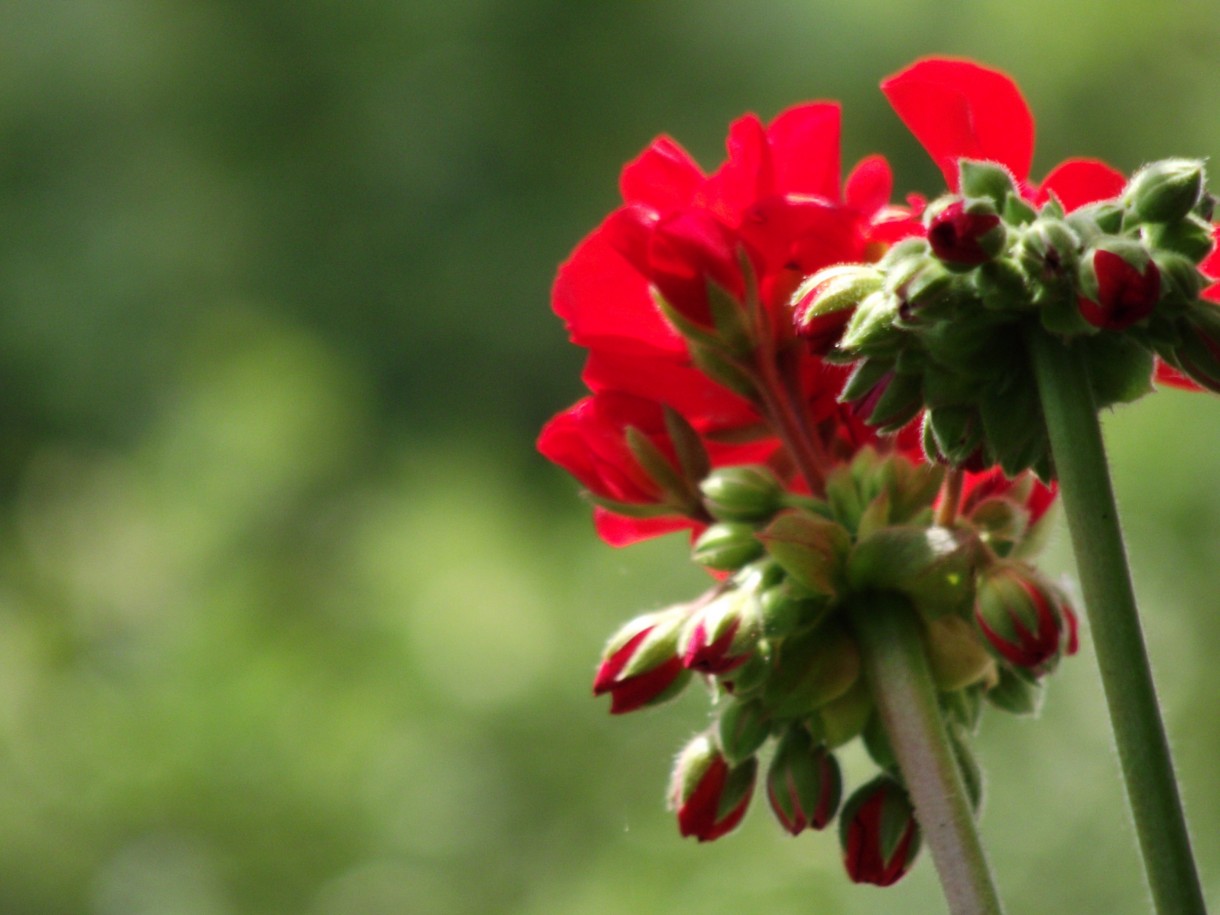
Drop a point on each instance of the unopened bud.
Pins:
(722, 634)
(640, 665)
(804, 784)
(966, 233)
(743, 727)
(1165, 191)
(709, 795)
(985, 179)
(879, 833)
(726, 546)
(1120, 285)
(743, 493)
(1021, 616)
(823, 303)
(1190, 237)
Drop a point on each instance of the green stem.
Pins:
(1088, 501)
(888, 629)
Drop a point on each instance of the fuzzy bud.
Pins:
(709, 795)
(803, 783)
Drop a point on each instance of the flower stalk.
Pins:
(901, 683)
(1088, 500)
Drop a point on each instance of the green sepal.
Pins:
(964, 706)
(657, 466)
(955, 653)
(899, 403)
(731, 320)
(1017, 212)
(865, 375)
(742, 728)
(811, 669)
(786, 608)
(811, 549)
(897, 816)
(871, 330)
(692, 455)
(1119, 367)
(748, 679)
(956, 432)
(1191, 237)
(1002, 285)
(877, 743)
(657, 648)
(1016, 692)
(843, 719)
(727, 546)
(934, 567)
(1013, 424)
(742, 493)
(985, 179)
(967, 764)
(722, 368)
(630, 509)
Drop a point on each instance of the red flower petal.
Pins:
(958, 109)
(745, 176)
(804, 148)
(1077, 182)
(869, 186)
(604, 300)
(617, 530)
(663, 177)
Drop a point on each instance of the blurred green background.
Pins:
(292, 617)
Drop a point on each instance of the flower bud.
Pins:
(823, 303)
(742, 728)
(640, 665)
(721, 635)
(1165, 191)
(1191, 237)
(1049, 250)
(1198, 355)
(803, 783)
(786, 607)
(813, 669)
(1022, 617)
(985, 179)
(1120, 285)
(966, 233)
(727, 546)
(809, 548)
(743, 493)
(879, 833)
(709, 796)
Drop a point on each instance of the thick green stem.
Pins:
(1088, 501)
(901, 683)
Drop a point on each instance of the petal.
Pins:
(1077, 182)
(804, 144)
(617, 530)
(869, 185)
(958, 109)
(1167, 375)
(745, 176)
(663, 177)
(605, 301)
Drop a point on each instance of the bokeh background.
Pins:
(293, 620)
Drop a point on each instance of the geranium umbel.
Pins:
(714, 409)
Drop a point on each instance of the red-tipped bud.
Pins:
(1119, 287)
(1025, 619)
(640, 665)
(966, 234)
(722, 635)
(803, 784)
(709, 796)
(879, 833)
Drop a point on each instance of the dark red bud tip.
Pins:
(1125, 294)
(962, 238)
(879, 833)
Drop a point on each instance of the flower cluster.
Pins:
(1119, 269)
(718, 311)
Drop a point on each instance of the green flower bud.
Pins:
(871, 330)
(812, 669)
(810, 549)
(743, 493)
(1190, 237)
(786, 608)
(823, 303)
(1016, 692)
(1165, 191)
(743, 727)
(727, 546)
(804, 784)
(1049, 250)
(986, 179)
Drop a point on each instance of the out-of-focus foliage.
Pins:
(292, 619)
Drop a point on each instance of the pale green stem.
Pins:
(1088, 500)
(900, 680)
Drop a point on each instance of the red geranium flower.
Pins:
(960, 110)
